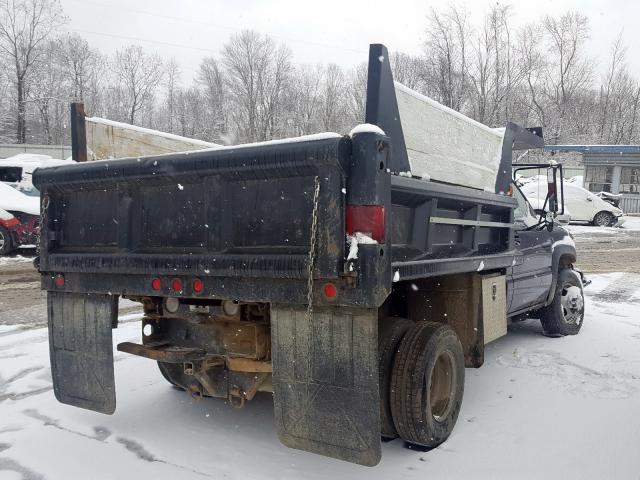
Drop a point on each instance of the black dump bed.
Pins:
(246, 220)
(231, 213)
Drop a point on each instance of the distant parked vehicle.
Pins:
(17, 229)
(612, 198)
(20, 200)
(583, 205)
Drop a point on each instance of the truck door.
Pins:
(532, 274)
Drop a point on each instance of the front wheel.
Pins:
(427, 384)
(603, 219)
(564, 316)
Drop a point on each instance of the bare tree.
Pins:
(81, 62)
(172, 78)
(357, 94)
(305, 101)
(617, 99)
(407, 69)
(257, 72)
(568, 69)
(24, 27)
(333, 111)
(493, 72)
(533, 65)
(139, 73)
(47, 91)
(446, 51)
(211, 79)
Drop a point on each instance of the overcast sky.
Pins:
(326, 31)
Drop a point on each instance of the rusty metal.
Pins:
(162, 352)
(194, 391)
(249, 340)
(249, 365)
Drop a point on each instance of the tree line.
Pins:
(538, 74)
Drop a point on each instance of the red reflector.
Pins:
(156, 284)
(176, 285)
(198, 285)
(59, 281)
(367, 219)
(330, 290)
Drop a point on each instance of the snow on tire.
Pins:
(564, 316)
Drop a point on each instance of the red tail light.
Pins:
(59, 281)
(156, 284)
(198, 286)
(367, 219)
(330, 291)
(176, 285)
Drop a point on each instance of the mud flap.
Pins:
(325, 381)
(81, 349)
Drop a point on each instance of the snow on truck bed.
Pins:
(539, 408)
(447, 146)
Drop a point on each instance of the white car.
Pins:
(16, 171)
(583, 205)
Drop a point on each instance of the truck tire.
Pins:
(391, 330)
(427, 384)
(6, 242)
(603, 219)
(564, 316)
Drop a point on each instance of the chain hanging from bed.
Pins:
(312, 247)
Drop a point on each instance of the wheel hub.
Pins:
(441, 386)
(572, 304)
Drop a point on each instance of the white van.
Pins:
(583, 205)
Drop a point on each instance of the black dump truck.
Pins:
(316, 268)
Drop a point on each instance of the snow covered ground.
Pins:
(631, 224)
(7, 261)
(539, 408)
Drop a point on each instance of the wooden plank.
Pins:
(107, 139)
(445, 145)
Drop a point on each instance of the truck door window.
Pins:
(523, 210)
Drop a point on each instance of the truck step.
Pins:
(162, 352)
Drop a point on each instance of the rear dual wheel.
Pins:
(426, 385)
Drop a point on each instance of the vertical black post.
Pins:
(78, 133)
(382, 106)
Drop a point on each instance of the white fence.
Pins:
(630, 203)
(55, 151)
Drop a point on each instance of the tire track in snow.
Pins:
(10, 465)
(621, 290)
(102, 434)
(573, 377)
